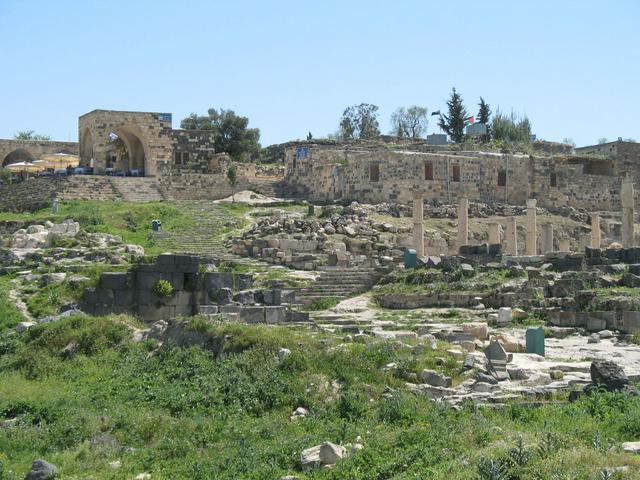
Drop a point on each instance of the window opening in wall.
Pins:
(177, 156)
(502, 178)
(553, 180)
(428, 171)
(374, 172)
(456, 173)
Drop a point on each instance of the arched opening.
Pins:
(86, 148)
(18, 155)
(126, 152)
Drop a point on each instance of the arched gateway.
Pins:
(138, 143)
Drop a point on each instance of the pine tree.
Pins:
(484, 116)
(455, 122)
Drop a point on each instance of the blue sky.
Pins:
(292, 66)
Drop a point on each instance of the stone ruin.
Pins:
(194, 289)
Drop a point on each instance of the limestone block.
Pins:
(252, 314)
(275, 314)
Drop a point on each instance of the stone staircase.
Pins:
(338, 282)
(205, 238)
(89, 187)
(138, 189)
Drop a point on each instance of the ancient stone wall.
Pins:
(380, 175)
(152, 145)
(29, 195)
(198, 186)
(33, 150)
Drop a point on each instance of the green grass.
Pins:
(324, 303)
(132, 221)
(9, 314)
(188, 413)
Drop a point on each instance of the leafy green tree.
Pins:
(232, 178)
(360, 121)
(31, 135)
(484, 116)
(231, 133)
(411, 122)
(511, 128)
(457, 119)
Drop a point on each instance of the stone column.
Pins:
(565, 245)
(547, 238)
(532, 233)
(463, 221)
(596, 239)
(418, 227)
(627, 212)
(494, 234)
(512, 237)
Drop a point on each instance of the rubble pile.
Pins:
(61, 243)
(338, 236)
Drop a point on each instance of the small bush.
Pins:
(324, 303)
(163, 288)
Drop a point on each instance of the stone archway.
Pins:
(17, 155)
(136, 149)
(86, 148)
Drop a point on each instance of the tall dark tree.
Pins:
(484, 116)
(455, 122)
(231, 132)
(360, 121)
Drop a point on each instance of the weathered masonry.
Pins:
(152, 146)
(374, 175)
(13, 151)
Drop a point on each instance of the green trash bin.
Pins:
(410, 258)
(156, 225)
(535, 340)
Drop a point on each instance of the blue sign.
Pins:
(164, 117)
(302, 152)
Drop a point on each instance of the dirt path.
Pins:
(14, 294)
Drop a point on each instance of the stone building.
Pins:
(153, 147)
(13, 151)
(374, 174)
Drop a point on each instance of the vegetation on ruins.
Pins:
(231, 133)
(409, 122)
(453, 123)
(30, 135)
(5, 176)
(360, 122)
(163, 288)
(194, 413)
(512, 128)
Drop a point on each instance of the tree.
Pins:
(360, 121)
(410, 122)
(511, 128)
(602, 140)
(232, 178)
(484, 116)
(455, 122)
(31, 135)
(569, 141)
(231, 133)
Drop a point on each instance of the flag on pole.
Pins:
(437, 112)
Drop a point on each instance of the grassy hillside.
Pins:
(191, 413)
(132, 221)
